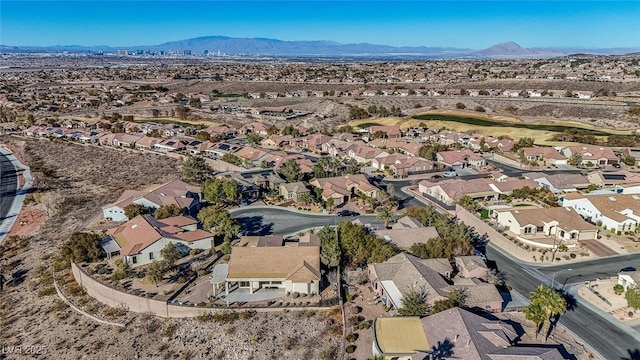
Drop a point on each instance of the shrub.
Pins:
(573, 255)
(169, 330)
(618, 289)
(350, 349)
(114, 312)
(349, 297)
(630, 313)
(352, 337)
(295, 294)
(49, 290)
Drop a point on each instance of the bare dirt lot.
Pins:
(78, 180)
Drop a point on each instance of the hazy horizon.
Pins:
(459, 24)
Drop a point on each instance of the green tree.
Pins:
(133, 210)
(168, 211)
(468, 203)
(156, 271)
(455, 298)
(329, 248)
(290, 171)
(231, 191)
(254, 138)
(203, 136)
(82, 247)
(536, 315)
(330, 203)
(551, 302)
(633, 297)
(195, 170)
(219, 221)
(386, 214)
(182, 112)
(170, 255)
(574, 160)
(121, 271)
(414, 303)
(195, 103)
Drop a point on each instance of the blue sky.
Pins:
(462, 24)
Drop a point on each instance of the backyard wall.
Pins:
(116, 298)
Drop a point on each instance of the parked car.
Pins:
(628, 269)
(348, 213)
(617, 166)
(450, 174)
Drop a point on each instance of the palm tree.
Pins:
(386, 214)
(535, 314)
(551, 302)
(305, 198)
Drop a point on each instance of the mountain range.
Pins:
(273, 47)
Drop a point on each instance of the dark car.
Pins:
(348, 213)
(617, 166)
(628, 269)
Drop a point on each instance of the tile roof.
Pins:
(300, 264)
(144, 230)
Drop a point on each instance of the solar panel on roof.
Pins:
(224, 147)
(614, 176)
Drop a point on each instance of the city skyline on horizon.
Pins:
(457, 24)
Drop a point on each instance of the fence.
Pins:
(117, 298)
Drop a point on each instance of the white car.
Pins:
(450, 174)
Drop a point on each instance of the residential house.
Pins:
(293, 269)
(197, 147)
(559, 183)
(218, 150)
(176, 192)
(276, 141)
(220, 131)
(546, 227)
(364, 154)
(342, 188)
(391, 132)
(470, 335)
(629, 279)
(403, 273)
(292, 191)
(450, 191)
(252, 155)
(126, 140)
(147, 143)
(620, 178)
(402, 165)
(617, 213)
(544, 156)
(460, 159)
(140, 240)
(314, 142)
(592, 155)
(406, 231)
(171, 145)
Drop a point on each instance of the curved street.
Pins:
(273, 220)
(8, 187)
(593, 326)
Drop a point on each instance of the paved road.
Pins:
(8, 186)
(609, 339)
(592, 269)
(586, 322)
(262, 221)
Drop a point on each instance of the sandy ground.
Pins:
(29, 220)
(618, 307)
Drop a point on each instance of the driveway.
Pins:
(597, 248)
